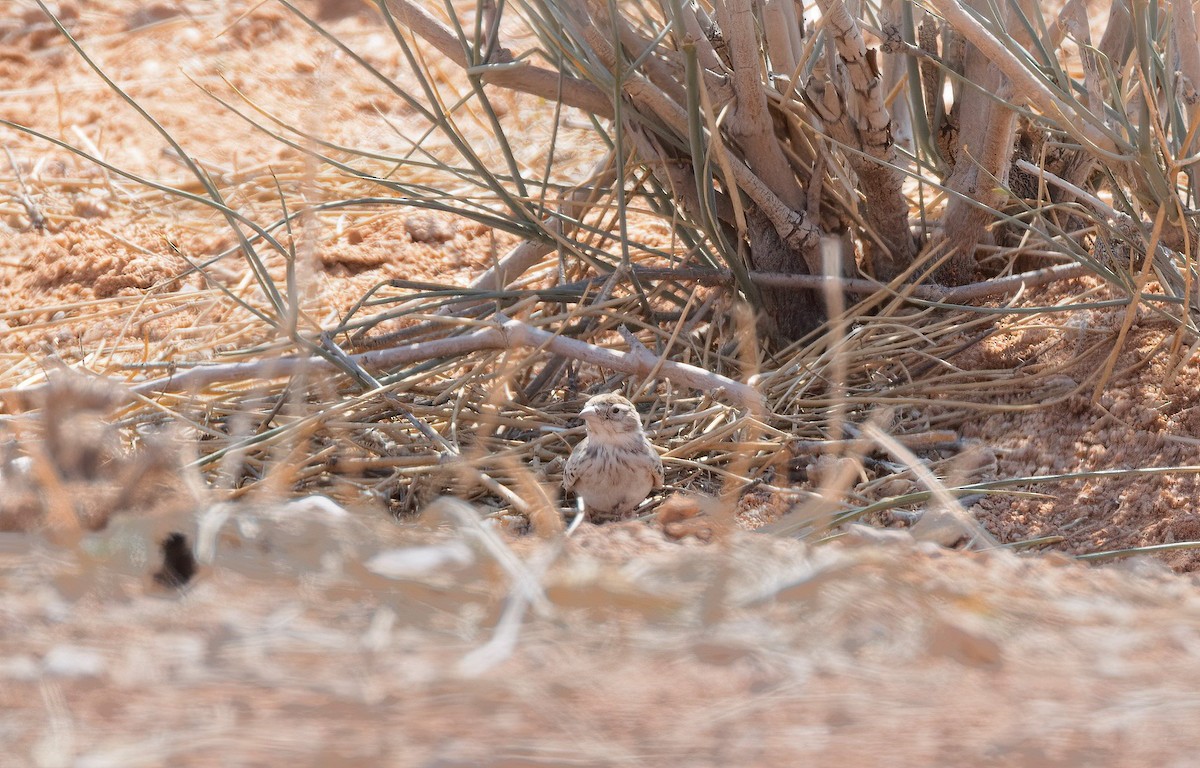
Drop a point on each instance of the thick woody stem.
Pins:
(779, 19)
(985, 149)
(790, 222)
(1025, 87)
(695, 32)
(981, 159)
(668, 72)
(526, 78)
(1188, 47)
(751, 123)
(866, 124)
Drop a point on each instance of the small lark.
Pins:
(614, 468)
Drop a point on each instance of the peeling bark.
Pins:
(852, 108)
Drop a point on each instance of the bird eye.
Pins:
(615, 410)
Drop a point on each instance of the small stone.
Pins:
(941, 527)
(423, 228)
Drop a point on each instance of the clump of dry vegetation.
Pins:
(795, 217)
(821, 246)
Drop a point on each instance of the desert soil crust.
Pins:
(323, 636)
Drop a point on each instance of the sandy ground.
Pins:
(323, 638)
(760, 652)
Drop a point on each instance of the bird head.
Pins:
(611, 415)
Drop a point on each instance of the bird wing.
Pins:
(571, 470)
(656, 467)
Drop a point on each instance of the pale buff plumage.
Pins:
(615, 467)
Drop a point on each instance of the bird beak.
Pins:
(588, 413)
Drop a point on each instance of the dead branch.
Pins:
(508, 334)
(525, 255)
(931, 293)
(516, 76)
